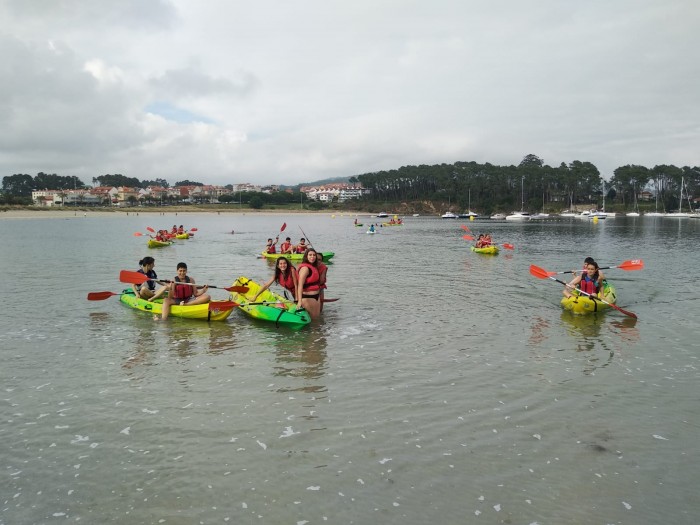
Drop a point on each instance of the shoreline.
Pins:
(22, 213)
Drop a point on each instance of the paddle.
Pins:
(101, 296)
(465, 228)
(310, 244)
(506, 245)
(541, 273)
(633, 264)
(150, 229)
(126, 276)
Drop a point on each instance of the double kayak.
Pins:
(582, 304)
(296, 257)
(269, 306)
(487, 250)
(206, 312)
(182, 235)
(152, 243)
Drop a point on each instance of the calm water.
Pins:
(444, 386)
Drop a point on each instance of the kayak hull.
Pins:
(584, 305)
(152, 243)
(204, 312)
(280, 311)
(295, 257)
(182, 236)
(486, 250)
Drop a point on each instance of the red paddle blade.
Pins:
(138, 234)
(222, 305)
(331, 300)
(284, 227)
(626, 312)
(508, 246)
(237, 289)
(467, 237)
(150, 229)
(540, 273)
(125, 276)
(194, 229)
(465, 228)
(100, 296)
(635, 264)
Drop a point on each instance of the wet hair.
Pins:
(269, 240)
(588, 260)
(147, 260)
(181, 265)
(288, 239)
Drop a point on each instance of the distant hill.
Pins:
(318, 182)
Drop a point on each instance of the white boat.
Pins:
(598, 214)
(499, 216)
(539, 216)
(654, 214)
(382, 214)
(567, 213)
(416, 214)
(518, 216)
(448, 215)
(633, 214)
(468, 215)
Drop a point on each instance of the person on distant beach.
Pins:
(285, 275)
(183, 291)
(148, 289)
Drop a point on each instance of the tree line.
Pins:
(532, 185)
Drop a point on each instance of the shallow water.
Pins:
(443, 385)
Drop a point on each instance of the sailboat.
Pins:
(656, 212)
(520, 215)
(542, 214)
(680, 214)
(634, 213)
(469, 213)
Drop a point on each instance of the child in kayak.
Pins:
(286, 246)
(589, 282)
(270, 246)
(148, 289)
(183, 291)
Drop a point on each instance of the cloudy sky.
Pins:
(282, 92)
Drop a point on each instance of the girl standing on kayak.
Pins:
(285, 275)
(309, 288)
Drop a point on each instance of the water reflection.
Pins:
(302, 356)
(586, 331)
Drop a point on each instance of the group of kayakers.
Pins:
(483, 240)
(168, 235)
(306, 284)
(286, 246)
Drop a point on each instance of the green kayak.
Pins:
(296, 257)
(269, 306)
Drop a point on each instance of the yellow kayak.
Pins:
(152, 243)
(274, 308)
(206, 312)
(487, 250)
(582, 304)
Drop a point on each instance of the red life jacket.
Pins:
(312, 280)
(183, 291)
(322, 268)
(288, 282)
(285, 246)
(588, 285)
(271, 249)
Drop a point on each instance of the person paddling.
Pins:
(183, 291)
(270, 247)
(589, 282)
(287, 246)
(148, 289)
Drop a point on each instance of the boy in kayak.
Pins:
(301, 247)
(270, 247)
(183, 291)
(286, 246)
